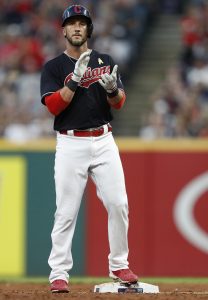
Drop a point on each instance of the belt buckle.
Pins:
(96, 128)
(92, 131)
(98, 132)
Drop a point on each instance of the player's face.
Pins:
(75, 31)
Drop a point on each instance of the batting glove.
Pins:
(81, 66)
(109, 82)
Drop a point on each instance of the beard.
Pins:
(76, 43)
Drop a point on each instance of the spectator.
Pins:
(31, 34)
(183, 96)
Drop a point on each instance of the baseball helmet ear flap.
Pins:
(90, 30)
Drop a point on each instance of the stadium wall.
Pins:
(167, 183)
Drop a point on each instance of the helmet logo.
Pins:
(77, 9)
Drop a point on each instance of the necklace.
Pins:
(71, 58)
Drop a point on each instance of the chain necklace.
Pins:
(70, 58)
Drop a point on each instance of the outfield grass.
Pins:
(97, 280)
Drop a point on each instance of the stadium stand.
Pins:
(179, 106)
(31, 34)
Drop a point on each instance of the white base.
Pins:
(116, 287)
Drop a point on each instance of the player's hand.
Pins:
(81, 66)
(109, 82)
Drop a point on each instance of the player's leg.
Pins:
(107, 173)
(71, 169)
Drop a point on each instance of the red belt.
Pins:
(85, 133)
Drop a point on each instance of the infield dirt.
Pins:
(34, 291)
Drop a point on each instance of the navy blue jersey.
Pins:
(89, 107)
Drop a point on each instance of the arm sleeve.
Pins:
(119, 104)
(55, 103)
(49, 82)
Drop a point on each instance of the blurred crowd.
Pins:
(180, 105)
(31, 34)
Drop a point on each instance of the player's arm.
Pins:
(115, 95)
(117, 101)
(59, 100)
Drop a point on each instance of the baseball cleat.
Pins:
(124, 276)
(59, 286)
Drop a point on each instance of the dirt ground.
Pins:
(33, 291)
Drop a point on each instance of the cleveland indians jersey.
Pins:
(89, 107)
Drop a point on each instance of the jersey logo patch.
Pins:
(90, 76)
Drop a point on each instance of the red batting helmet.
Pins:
(78, 10)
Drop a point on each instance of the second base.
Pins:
(116, 287)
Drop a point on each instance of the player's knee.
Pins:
(118, 207)
(63, 218)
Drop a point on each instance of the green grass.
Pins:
(97, 280)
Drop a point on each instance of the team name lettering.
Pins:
(90, 76)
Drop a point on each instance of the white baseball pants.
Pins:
(76, 158)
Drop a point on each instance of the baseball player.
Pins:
(80, 87)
